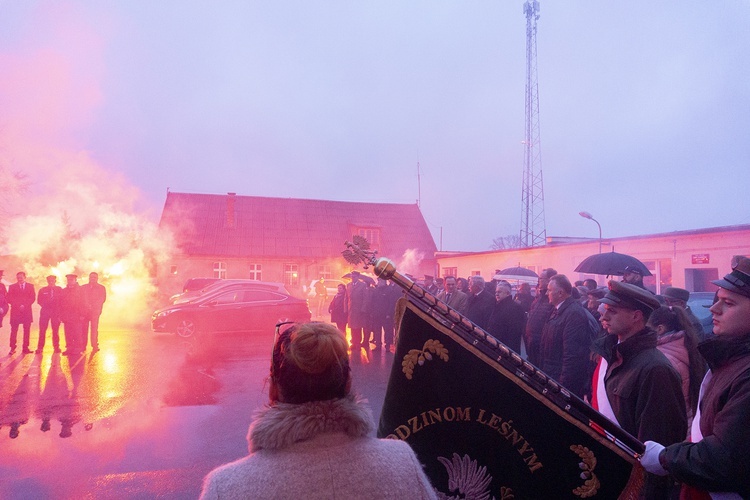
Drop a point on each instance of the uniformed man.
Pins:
(634, 384)
(715, 462)
(49, 299)
(94, 296)
(72, 311)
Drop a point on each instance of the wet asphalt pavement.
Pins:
(147, 416)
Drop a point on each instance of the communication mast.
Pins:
(533, 230)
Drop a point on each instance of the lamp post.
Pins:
(587, 215)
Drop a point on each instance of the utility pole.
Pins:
(533, 230)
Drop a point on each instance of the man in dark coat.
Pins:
(524, 297)
(566, 339)
(538, 316)
(480, 303)
(49, 300)
(507, 318)
(382, 309)
(716, 457)
(3, 298)
(429, 284)
(634, 384)
(20, 297)
(359, 310)
(94, 296)
(72, 312)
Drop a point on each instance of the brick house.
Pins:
(287, 240)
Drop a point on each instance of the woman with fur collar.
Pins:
(314, 440)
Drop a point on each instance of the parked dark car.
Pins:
(198, 283)
(225, 284)
(239, 309)
(699, 303)
(193, 286)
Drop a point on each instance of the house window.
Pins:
(450, 271)
(220, 270)
(476, 273)
(291, 274)
(255, 272)
(372, 235)
(324, 272)
(172, 269)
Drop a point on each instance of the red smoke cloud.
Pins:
(63, 212)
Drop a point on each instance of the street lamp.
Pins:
(587, 215)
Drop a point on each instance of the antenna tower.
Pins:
(533, 230)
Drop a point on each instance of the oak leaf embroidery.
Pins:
(591, 484)
(417, 357)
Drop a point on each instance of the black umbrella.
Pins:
(516, 273)
(610, 264)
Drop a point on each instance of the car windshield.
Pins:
(698, 302)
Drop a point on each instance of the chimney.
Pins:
(230, 209)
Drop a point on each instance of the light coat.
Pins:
(320, 450)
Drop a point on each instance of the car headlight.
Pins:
(163, 314)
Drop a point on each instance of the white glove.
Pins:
(650, 459)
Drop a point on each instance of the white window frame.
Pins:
(291, 274)
(371, 234)
(325, 271)
(220, 270)
(255, 272)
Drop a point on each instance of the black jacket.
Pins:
(720, 461)
(506, 323)
(565, 346)
(645, 392)
(479, 307)
(538, 315)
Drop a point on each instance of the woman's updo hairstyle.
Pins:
(674, 318)
(310, 363)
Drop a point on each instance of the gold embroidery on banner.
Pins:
(416, 357)
(591, 485)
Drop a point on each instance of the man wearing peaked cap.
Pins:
(630, 296)
(716, 459)
(634, 276)
(634, 384)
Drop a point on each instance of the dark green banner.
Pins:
(482, 432)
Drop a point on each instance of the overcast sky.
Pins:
(644, 106)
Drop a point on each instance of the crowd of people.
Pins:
(368, 307)
(77, 307)
(639, 358)
(635, 356)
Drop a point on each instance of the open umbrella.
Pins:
(518, 274)
(610, 264)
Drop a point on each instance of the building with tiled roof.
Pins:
(288, 240)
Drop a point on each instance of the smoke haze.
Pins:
(64, 212)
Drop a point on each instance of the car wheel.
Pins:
(186, 327)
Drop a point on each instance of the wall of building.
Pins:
(687, 259)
